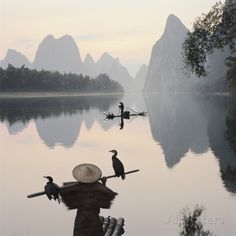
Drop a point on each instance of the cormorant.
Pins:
(52, 189)
(117, 165)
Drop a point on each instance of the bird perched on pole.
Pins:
(117, 165)
(52, 189)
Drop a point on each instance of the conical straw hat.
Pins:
(87, 173)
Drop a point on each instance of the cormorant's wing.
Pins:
(47, 189)
(118, 166)
(56, 186)
(55, 191)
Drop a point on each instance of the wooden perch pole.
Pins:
(75, 183)
(126, 173)
(36, 194)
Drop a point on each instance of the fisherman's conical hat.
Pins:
(87, 173)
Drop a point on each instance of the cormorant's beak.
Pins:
(111, 151)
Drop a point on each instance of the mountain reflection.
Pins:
(182, 123)
(58, 120)
(177, 124)
(220, 112)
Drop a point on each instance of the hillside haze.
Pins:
(165, 70)
(141, 77)
(115, 70)
(15, 58)
(60, 54)
(63, 55)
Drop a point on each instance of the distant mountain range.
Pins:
(63, 55)
(166, 67)
(15, 58)
(164, 72)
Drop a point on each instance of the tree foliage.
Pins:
(213, 30)
(24, 79)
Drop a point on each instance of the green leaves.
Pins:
(213, 30)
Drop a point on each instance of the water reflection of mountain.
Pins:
(58, 120)
(181, 122)
(220, 112)
(177, 124)
(16, 127)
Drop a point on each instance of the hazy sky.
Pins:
(124, 28)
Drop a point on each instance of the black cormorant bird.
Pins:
(52, 189)
(117, 165)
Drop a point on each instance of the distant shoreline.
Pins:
(13, 95)
(5, 95)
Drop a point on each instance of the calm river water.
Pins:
(185, 149)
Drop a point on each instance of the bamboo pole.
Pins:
(105, 224)
(36, 194)
(119, 230)
(126, 173)
(71, 184)
(111, 227)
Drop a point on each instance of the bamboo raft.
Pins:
(112, 226)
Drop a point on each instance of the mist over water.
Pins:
(185, 150)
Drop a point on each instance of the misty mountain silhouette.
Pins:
(60, 54)
(15, 58)
(90, 66)
(165, 71)
(113, 68)
(141, 77)
(166, 63)
(63, 55)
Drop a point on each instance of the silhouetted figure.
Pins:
(52, 189)
(117, 165)
(123, 114)
(88, 197)
(121, 106)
